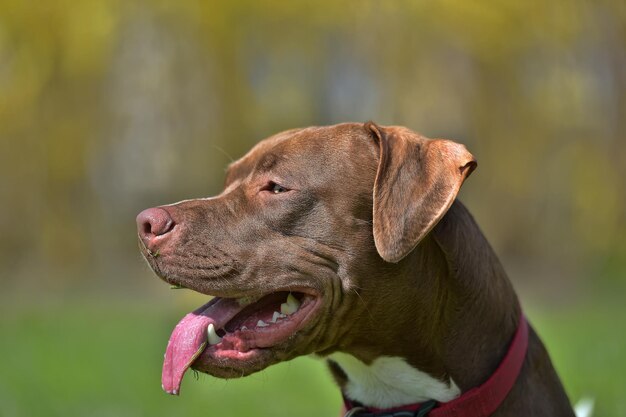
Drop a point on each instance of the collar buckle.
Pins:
(425, 408)
(353, 412)
(423, 411)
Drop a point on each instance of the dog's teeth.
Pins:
(212, 336)
(243, 328)
(293, 301)
(261, 323)
(291, 306)
(286, 309)
(277, 316)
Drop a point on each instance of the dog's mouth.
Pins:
(235, 329)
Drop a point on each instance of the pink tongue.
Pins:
(188, 340)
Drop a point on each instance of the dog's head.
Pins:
(311, 225)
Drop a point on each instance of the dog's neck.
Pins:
(459, 315)
(483, 311)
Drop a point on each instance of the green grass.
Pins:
(96, 358)
(587, 344)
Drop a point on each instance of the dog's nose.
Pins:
(153, 222)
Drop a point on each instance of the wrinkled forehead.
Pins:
(311, 151)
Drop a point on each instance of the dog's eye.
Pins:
(274, 188)
(277, 189)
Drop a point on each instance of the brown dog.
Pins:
(346, 241)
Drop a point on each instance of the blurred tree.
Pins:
(107, 107)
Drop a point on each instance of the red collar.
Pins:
(480, 401)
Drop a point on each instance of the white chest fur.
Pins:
(391, 382)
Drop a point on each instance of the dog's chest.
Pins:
(391, 382)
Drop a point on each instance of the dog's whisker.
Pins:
(369, 313)
(224, 152)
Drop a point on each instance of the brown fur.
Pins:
(372, 225)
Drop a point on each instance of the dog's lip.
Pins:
(242, 340)
(243, 349)
(190, 283)
(188, 341)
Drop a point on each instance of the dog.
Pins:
(348, 242)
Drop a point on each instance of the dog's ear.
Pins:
(416, 183)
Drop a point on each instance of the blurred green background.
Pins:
(110, 107)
